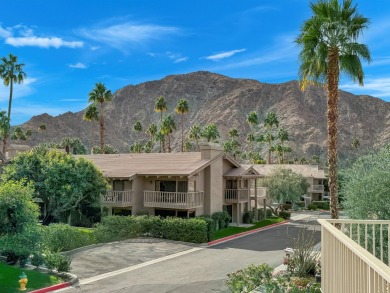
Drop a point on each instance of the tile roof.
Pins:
(159, 164)
(305, 170)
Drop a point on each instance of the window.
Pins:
(117, 185)
(231, 184)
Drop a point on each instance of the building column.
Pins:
(238, 214)
(256, 211)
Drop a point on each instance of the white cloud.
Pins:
(78, 65)
(73, 100)
(22, 36)
(122, 35)
(377, 87)
(20, 90)
(224, 55)
(181, 59)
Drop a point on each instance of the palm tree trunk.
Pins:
(169, 143)
(102, 128)
(332, 117)
(197, 145)
(160, 132)
(182, 137)
(6, 134)
(269, 152)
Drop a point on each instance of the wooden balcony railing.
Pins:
(355, 256)
(317, 188)
(173, 200)
(118, 198)
(236, 195)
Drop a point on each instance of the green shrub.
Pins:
(114, 228)
(210, 227)
(248, 217)
(284, 214)
(269, 213)
(62, 237)
(286, 206)
(142, 213)
(300, 204)
(249, 278)
(57, 261)
(222, 219)
(312, 207)
(324, 205)
(37, 259)
(189, 230)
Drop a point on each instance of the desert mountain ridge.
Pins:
(226, 101)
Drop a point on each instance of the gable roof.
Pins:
(150, 164)
(246, 171)
(304, 170)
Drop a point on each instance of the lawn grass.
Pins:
(235, 230)
(9, 277)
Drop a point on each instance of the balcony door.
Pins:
(118, 185)
(167, 186)
(231, 184)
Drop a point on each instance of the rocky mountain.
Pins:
(226, 101)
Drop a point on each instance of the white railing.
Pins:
(236, 195)
(354, 256)
(118, 198)
(317, 188)
(173, 200)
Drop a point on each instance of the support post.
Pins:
(238, 213)
(265, 208)
(256, 198)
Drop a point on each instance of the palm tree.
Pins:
(161, 106)
(210, 132)
(138, 128)
(252, 120)
(282, 136)
(270, 120)
(100, 95)
(10, 72)
(182, 108)
(167, 127)
(328, 42)
(152, 131)
(91, 114)
(195, 133)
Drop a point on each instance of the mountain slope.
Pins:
(226, 101)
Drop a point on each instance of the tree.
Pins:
(252, 120)
(270, 120)
(136, 148)
(355, 143)
(108, 149)
(284, 185)
(283, 137)
(167, 127)
(161, 106)
(234, 144)
(152, 131)
(138, 128)
(19, 236)
(64, 183)
(195, 134)
(210, 132)
(10, 72)
(366, 187)
(99, 96)
(91, 114)
(182, 108)
(42, 127)
(329, 46)
(188, 146)
(78, 148)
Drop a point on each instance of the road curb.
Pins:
(52, 288)
(231, 237)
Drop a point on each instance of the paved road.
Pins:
(199, 269)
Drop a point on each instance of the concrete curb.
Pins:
(242, 234)
(52, 288)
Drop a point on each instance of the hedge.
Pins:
(324, 205)
(62, 237)
(285, 215)
(188, 230)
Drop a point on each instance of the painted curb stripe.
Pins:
(52, 288)
(231, 237)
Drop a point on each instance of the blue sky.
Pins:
(68, 46)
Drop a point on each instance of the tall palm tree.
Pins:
(329, 46)
(10, 72)
(167, 127)
(282, 136)
(99, 96)
(91, 114)
(182, 108)
(195, 133)
(210, 132)
(161, 106)
(252, 120)
(270, 120)
(152, 131)
(233, 134)
(138, 128)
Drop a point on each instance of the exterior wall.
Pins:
(216, 186)
(198, 186)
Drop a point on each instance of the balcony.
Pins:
(236, 195)
(118, 198)
(319, 188)
(355, 256)
(173, 200)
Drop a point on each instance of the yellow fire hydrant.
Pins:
(23, 282)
